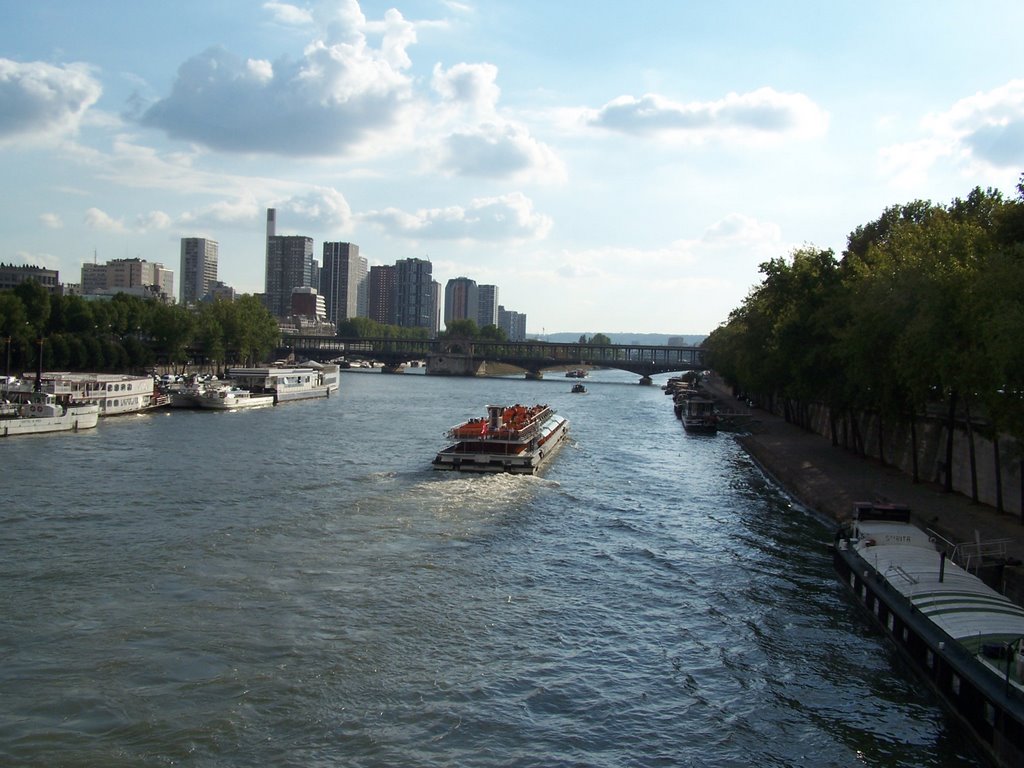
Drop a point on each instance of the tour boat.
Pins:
(44, 414)
(516, 439)
(962, 636)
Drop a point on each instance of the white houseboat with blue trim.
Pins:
(963, 637)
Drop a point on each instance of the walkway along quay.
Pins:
(469, 357)
(830, 479)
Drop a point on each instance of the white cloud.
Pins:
(154, 220)
(40, 100)
(472, 85)
(320, 208)
(507, 218)
(101, 221)
(289, 15)
(501, 151)
(341, 92)
(51, 220)
(981, 133)
(763, 113)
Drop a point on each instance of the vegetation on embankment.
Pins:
(129, 333)
(921, 315)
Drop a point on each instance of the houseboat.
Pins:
(114, 394)
(698, 415)
(963, 637)
(516, 439)
(44, 413)
(288, 383)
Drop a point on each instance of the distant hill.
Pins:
(651, 339)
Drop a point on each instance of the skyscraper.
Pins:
(487, 305)
(381, 294)
(414, 301)
(289, 265)
(460, 300)
(343, 282)
(198, 268)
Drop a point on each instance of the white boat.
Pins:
(288, 383)
(963, 638)
(516, 439)
(43, 413)
(113, 394)
(228, 398)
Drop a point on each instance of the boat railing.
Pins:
(898, 570)
(972, 554)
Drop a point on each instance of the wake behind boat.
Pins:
(516, 439)
(964, 638)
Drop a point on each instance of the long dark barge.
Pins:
(962, 636)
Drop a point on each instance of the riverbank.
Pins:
(829, 479)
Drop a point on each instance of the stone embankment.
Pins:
(829, 479)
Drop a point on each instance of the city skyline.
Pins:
(610, 170)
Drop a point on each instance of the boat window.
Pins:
(955, 684)
(929, 659)
(990, 713)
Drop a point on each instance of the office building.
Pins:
(414, 295)
(343, 282)
(289, 265)
(198, 268)
(487, 305)
(460, 300)
(381, 294)
(136, 277)
(513, 324)
(11, 276)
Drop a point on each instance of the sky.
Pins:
(611, 167)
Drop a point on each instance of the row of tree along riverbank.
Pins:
(907, 347)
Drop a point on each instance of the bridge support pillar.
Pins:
(646, 381)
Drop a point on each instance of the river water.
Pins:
(297, 587)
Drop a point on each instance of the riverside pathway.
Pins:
(829, 479)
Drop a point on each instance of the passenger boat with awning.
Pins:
(515, 438)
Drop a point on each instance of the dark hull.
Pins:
(991, 710)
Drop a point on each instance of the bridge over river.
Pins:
(463, 357)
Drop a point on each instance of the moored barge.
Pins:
(963, 637)
(516, 439)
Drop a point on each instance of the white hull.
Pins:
(470, 457)
(83, 417)
(231, 402)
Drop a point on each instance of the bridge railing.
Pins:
(539, 351)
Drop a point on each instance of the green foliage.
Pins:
(364, 328)
(129, 333)
(927, 302)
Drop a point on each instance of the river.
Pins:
(296, 586)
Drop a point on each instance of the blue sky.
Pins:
(611, 167)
